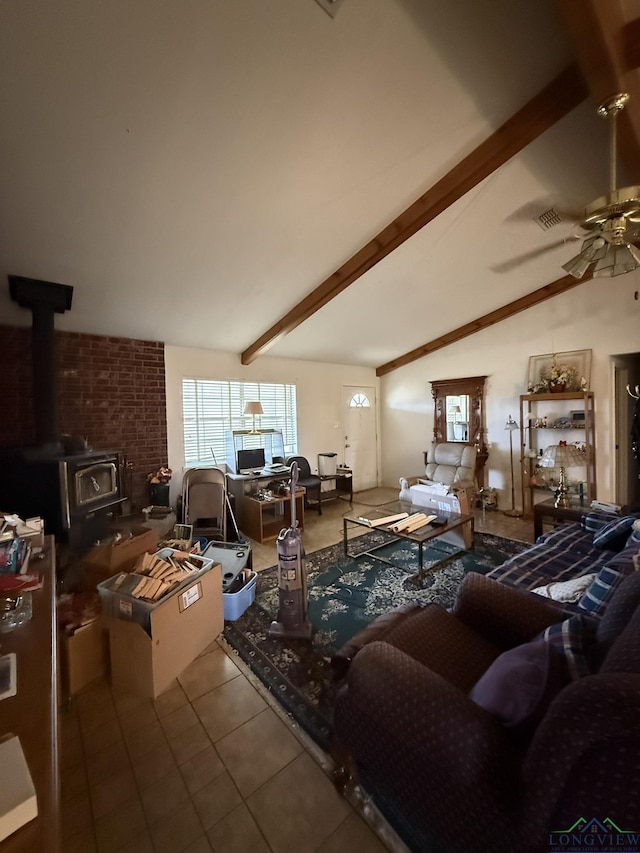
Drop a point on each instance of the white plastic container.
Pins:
(327, 464)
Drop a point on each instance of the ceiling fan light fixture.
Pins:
(593, 249)
(611, 250)
(617, 260)
(613, 104)
(577, 266)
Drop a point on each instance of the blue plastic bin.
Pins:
(233, 558)
(235, 603)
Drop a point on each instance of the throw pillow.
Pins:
(614, 534)
(572, 639)
(571, 590)
(595, 521)
(605, 583)
(601, 591)
(520, 685)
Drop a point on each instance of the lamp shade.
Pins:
(511, 424)
(562, 456)
(253, 407)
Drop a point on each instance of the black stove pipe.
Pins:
(44, 299)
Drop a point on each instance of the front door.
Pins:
(360, 435)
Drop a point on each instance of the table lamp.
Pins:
(253, 408)
(562, 456)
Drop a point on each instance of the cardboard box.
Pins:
(103, 561)
(84, 656)
(182, 626)
(119, 603)
(438, 498)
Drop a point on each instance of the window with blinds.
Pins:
(210, 407)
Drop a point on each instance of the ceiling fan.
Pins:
(612, 219)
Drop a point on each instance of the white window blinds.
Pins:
(209, 407)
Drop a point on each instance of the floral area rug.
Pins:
(345, 595)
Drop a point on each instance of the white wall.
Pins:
(602, 315)
(319, 395)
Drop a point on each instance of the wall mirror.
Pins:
(459, 415)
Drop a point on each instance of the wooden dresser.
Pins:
(32, 713)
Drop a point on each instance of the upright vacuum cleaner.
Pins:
(292, 579)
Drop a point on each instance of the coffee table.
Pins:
(423, 534)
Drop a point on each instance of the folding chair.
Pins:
(204, 502)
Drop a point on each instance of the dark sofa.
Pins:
(459, 769)
(571, 550)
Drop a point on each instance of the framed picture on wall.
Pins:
(566, 371)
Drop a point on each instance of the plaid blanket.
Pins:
(563, 553)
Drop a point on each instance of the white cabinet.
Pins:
(547, 419)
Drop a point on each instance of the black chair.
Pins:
(311, 482)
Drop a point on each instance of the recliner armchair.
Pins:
(311, 482)
(457, 779)
(448, 463)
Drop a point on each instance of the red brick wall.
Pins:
(16, 423)
(111, 391)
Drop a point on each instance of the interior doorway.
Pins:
(627, 409)
(359, 419)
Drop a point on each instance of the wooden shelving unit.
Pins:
(547, 409)
(263, 520)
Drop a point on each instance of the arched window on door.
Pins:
(359, 401)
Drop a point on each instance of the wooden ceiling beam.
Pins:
(607, 48)
(561, 285)
(550, 105)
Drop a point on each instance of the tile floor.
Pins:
(213, 764)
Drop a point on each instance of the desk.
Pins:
(547, 510)
(263, 520)
(241, 485)
(32, 713)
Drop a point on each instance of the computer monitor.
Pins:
(250, 460)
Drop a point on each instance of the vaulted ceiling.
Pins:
(261, 177)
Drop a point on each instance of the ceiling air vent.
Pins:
(330, 6)
(548, 219)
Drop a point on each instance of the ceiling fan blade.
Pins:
(514, 263)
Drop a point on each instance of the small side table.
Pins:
(263, 520)
(343, 486)
(546, 510)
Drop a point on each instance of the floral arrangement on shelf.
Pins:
(558, 377)
(162, 475)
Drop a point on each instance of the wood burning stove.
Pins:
(76, 493)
